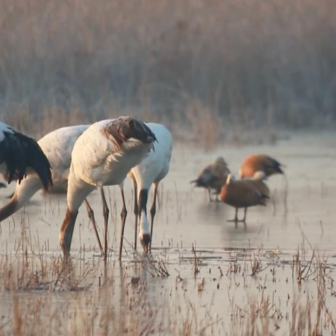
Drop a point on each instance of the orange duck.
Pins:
(242, 194)
(260, 163)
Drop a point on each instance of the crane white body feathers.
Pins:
(57, 146)
(102, 156)
(97, 162)
(150, 171)
(155, 166)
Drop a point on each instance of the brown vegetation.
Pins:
(239, 63)
(42, 295)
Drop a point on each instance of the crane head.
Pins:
(145, 240)
(125, 128)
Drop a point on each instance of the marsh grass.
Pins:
(238, 292)
(43, 295)
(213, 71)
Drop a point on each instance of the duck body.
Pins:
(257, 182)
(242, 194)
(213, 176)
(260, 163)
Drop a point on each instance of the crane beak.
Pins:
(145, 240)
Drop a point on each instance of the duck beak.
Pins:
(145, 240)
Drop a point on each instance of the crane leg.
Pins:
(66, 232)
(106, 215)
(93, 221)
(123, 216)
(153, 212)
(136, 213)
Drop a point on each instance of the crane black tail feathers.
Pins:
(39, 162)
(21, 153)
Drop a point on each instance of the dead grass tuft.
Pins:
(207, 69)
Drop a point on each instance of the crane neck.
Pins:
(144, 226)
(143, 198)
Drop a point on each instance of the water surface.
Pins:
(185, 218)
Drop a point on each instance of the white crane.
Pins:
(20, 155)
(150, 171)
(57, 146)
(102, 156)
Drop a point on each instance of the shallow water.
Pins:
(185, 217)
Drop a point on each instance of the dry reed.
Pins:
(197, 66)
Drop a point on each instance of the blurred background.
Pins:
(208, 68)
